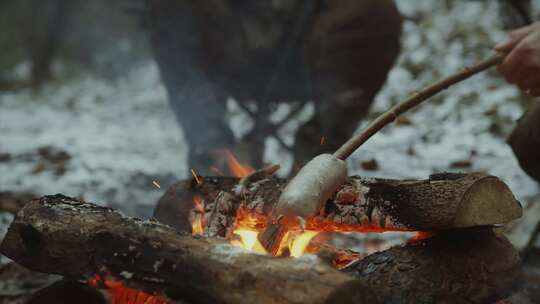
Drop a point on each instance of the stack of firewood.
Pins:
(464, 261)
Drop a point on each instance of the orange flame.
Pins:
(421, 235)
(236, 168)
(298, 245)
(197, 222)
(249, 224)
(120, 294)
(246, 229)
(248, 240)
(198, 203)
(196, 225)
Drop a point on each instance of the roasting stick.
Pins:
(318, 180)
(389, 116)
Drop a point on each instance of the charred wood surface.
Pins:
(470, 265)
(61, 235)
(441, 202)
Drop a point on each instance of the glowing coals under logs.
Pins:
(248, 224)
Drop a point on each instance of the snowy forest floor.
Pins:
(108, 140)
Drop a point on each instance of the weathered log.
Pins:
(525, 141)
(61, 235)
(441, 202)
(434, 263)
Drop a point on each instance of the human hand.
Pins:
(522, 64)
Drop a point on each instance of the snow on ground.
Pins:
(121, 134)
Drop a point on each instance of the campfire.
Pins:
(202, 246)
(248, 223)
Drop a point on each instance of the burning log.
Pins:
(441, 202)
(61, 235)
(57, 234)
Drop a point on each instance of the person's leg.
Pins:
(196, 101)
(525, 141)
(353, 46)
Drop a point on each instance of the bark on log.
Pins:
(525, 141)
(61, 235)
(441, 202)
(433, 264)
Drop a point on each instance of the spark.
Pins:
(195, 176)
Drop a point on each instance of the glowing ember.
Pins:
(421, 235)
(195, 176)
(120, 294)
(249, 223)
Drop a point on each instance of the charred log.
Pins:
(441, 202)
(61, 235)
(431, 264)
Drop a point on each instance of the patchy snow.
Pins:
(121, 135)
(5, 219)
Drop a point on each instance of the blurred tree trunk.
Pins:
(45, 37)
(515, 13)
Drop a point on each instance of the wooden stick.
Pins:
(389, 116)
